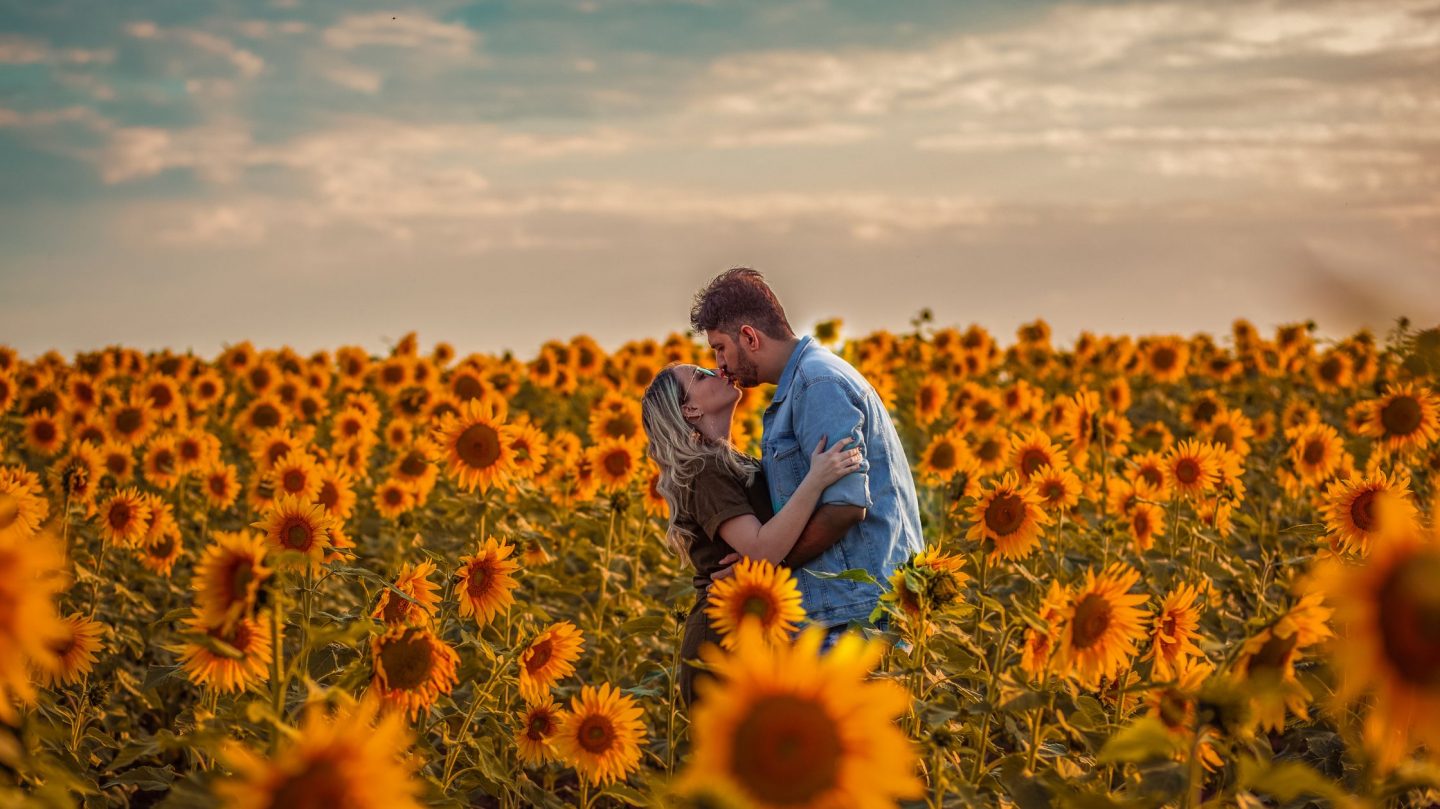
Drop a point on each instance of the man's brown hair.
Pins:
(739, 297)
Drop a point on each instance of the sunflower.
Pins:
(163, 396)
(783, 726)
(393, 498)
(1040, 641)
(44, 433)
(293, 525)
(160, 552)
(269, 446)
(355, 759)
(412, 466)
(1333, 372)
(929, 582)
(1191, 468)
(760, 589)
(228, 578)
(529, 447)
(196, 450)
(601, 735)
(413, 667)
(930, 398)
(1315, 451)
(227, 659)
(1074, 418)
(1232, 430)
(220, 484)
(1173, 633)
(1166, 359)
(548, 658)
(24, 504)
(1407, 417)
(1146, 521)
(420, 608)
(1102, 625)
(337, 490)
(73, 652)
(615, 418)
(77, 473)
(1009, 515)
(1058, 489)
(946, 455)
(1385, 611)
(125, 518)
(1176, 705)
(1361, 511)
(486, 580)
(990, 449)
(1266, 662)
(161, 463)
(353, 424)
(32, 575)
(535, 734)
(295, 475)
(615, 462)
(261, 414)
(475, 445)
(1034, 449)
(207, 389)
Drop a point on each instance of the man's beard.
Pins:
(745, 372)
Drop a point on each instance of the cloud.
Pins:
(246, 62)
(354, 78)
(21, 50)
(414, 30)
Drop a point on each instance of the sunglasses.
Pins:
(699, 372)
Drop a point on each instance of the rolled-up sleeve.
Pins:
(830, 409)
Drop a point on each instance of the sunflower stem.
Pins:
(277, 663)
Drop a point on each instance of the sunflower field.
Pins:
(1159, 571)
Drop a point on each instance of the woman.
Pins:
(719, 502)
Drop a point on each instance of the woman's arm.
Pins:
(774, 539)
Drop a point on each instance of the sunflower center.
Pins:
(540, 654)
(294, 480)
(406, 661)
(1401, 415)
(479, 446)
(1314, 452)
(1142, 523)
(45, 431)
(329, 496)
(787, 750)
(240, 577)
(540, 726)
(617, 463)
(1187, 471)
(321, 785)
(1409, 618)
(988, 450)
(757, 605)
(1274, 654)
(467, 387)
(596, 734)
(219, 485)
(479, 583)
(1362, 510)
(1163, 359)
(161, 396)
(413, 465)
(1032, 460)
(265, 416)
(1152, 475)
(621, 426)
(1092, 618)
(1206, 410)
(296, 535)
(1005, 514)
(396, 609)
(120, 516)
(128, 420)
(943, 456)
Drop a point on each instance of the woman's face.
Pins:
(703, 392)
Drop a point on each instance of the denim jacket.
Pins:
(820, 394)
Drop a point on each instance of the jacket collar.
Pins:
(782, 388)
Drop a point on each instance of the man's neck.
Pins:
(790, 346)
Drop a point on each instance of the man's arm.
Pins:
(826, 526)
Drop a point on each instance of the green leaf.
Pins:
(1286, 780)
(147, 778)
(853, 574)
(1146, 739)
(644, 625)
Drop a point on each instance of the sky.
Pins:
(494, 174)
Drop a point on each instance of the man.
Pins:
(869, 519)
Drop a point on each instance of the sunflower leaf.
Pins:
(853, 574)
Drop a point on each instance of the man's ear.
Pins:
(750, 337)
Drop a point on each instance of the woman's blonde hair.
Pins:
(680, 450)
